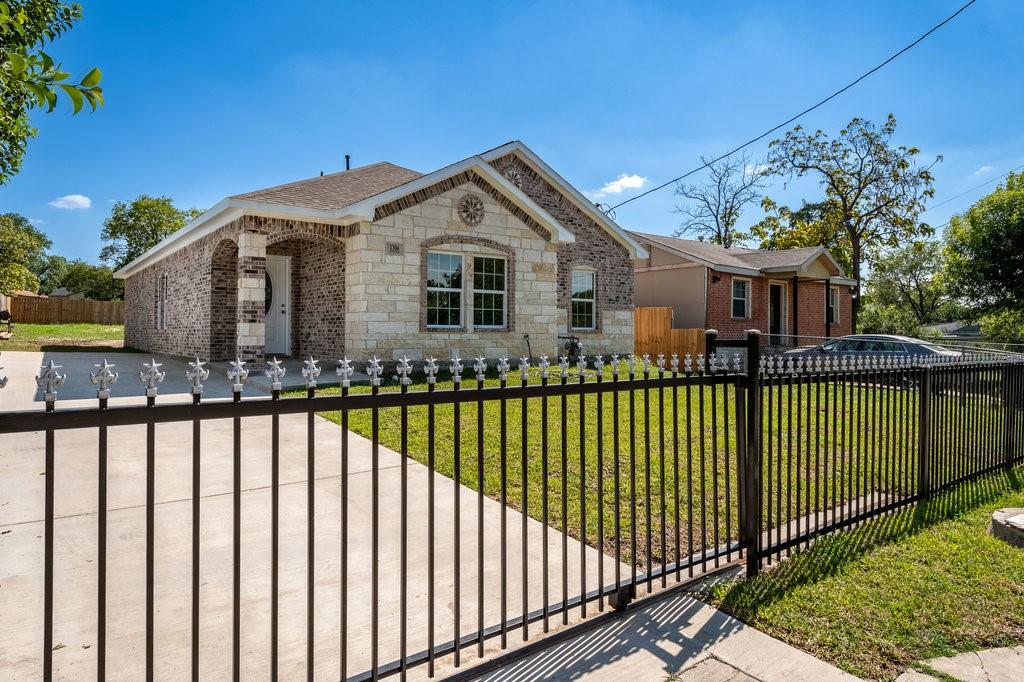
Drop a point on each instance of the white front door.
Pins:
(276, 310)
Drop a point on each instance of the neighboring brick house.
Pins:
(787, 293)
(383, 261)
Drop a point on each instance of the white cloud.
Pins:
(984, 170)
(619, 185)
(758, 169)
(72, 202)
(36, 221)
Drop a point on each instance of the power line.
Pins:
(785, 123)
(968, 191)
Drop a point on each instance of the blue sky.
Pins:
(210, 99)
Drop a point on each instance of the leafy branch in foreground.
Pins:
(30, 78)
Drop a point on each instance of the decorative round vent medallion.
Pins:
(471, 210)
(513, 175)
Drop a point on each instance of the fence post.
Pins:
(1008, 377)
(750, 509)
(924, 438)
(710, 344)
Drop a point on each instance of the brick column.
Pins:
(252, 269)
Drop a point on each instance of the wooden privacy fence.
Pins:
(653, 334)
(60, 310)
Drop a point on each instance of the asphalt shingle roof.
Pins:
(734, 257)
(335, 190)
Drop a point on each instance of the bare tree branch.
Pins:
(714, 207)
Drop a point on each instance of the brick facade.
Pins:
(360, 289)
(810, 307)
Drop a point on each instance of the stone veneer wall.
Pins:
(594, 248)
(385, 289)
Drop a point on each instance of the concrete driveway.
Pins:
(21, 545)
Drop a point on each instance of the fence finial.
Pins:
(599, 366)
(237, 373)
(274, 372)
(374, 370)
(404, 369)
(524, 368)
(197, 375)
(543, 363)
(563, 366)
(345, 371)
(310, 371)
(661, 363)
(103, 378)
(480, 367)
(581, 366)
(455, 367)
(647, 364)
(688, 363)
(49, 379)
(737, 363)
(152, 376)
(430, 369)
(674, 363)
(503, 368)
(701, 365)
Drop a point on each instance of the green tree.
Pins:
(813, 224)
(877, 190)
(20, 244)
(1004, 326)
(50, 269)
(92, 281)
(912, 278)
(136, 226)
(878, 318)
(31, 78)
(985, 249)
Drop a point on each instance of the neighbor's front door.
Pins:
(276, 310)
(775, 293)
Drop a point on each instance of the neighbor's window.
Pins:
(582, 311)
(740, 298)
(833, 305)
(161, 302)
(444, 289)
(488, 291)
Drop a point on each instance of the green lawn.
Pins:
(823, 469)
(928, 581)
(66, 337)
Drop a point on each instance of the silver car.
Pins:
(876, 345)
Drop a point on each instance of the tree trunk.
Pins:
(855, 252)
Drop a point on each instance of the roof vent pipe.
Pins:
(347, 160)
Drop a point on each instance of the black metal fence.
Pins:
(490, 507)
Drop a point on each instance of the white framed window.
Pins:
(161, 302)
(489, 284)
(582, 312)
(833, 305)
(444, 289)
(740, 298)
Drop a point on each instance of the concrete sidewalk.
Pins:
(677, 638)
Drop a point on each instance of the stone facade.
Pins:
(359, 290)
